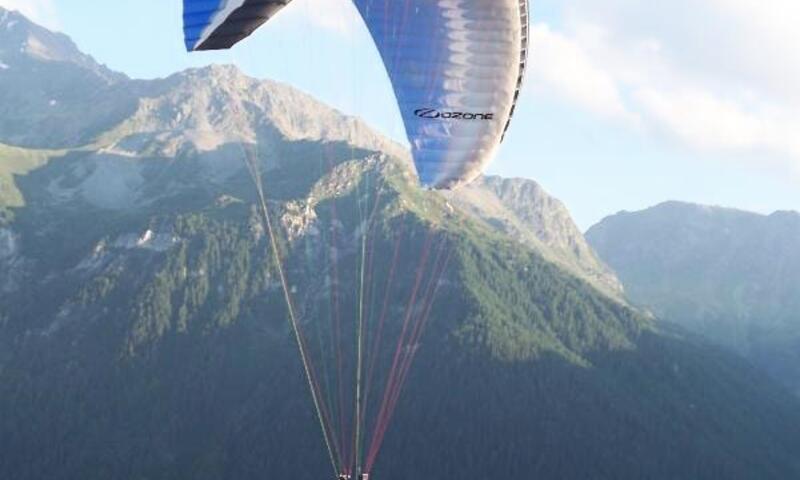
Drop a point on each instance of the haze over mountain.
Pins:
(730, 275)
(143, 333)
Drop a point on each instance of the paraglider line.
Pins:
(410, 352)
(337, 330)
(253, 169)
(381, 320)
(401, 340)
(366, 265)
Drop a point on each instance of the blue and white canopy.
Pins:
(456, 66)
(221, 24)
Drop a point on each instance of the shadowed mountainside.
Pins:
(730, 275)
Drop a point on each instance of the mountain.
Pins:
(144, 334)
(51, 94)
(730, 275)
(523, 210)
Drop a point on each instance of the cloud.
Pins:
(705, 121)
(40, 11)
(711, 74)
(562, 65)
(338, 16)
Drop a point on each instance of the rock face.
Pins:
(522, 209)
(144, 332)
(205, 109)
(23, 41)
(733, 276)
(37, 112)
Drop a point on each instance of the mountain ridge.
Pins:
(522, 209)
(210, 112)
(20, 37)
(725, 273)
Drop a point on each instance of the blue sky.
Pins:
(628, 103)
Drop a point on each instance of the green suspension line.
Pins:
(253, 168)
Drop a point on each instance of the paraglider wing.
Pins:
(221, 24)
(456, 67)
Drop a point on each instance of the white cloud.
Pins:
(338, 16)
(712, 74)
(40, 11)
(700, 119)
(562, 65)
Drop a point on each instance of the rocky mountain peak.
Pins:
(227, 73)
(207, 108)
(202, 108)
(23, 42)
(546, 215)
(38, 112)
(523, 209)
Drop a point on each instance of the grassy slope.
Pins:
(17, 161)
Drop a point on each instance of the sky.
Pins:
(628, 103)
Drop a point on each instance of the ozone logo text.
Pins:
(434, 114)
